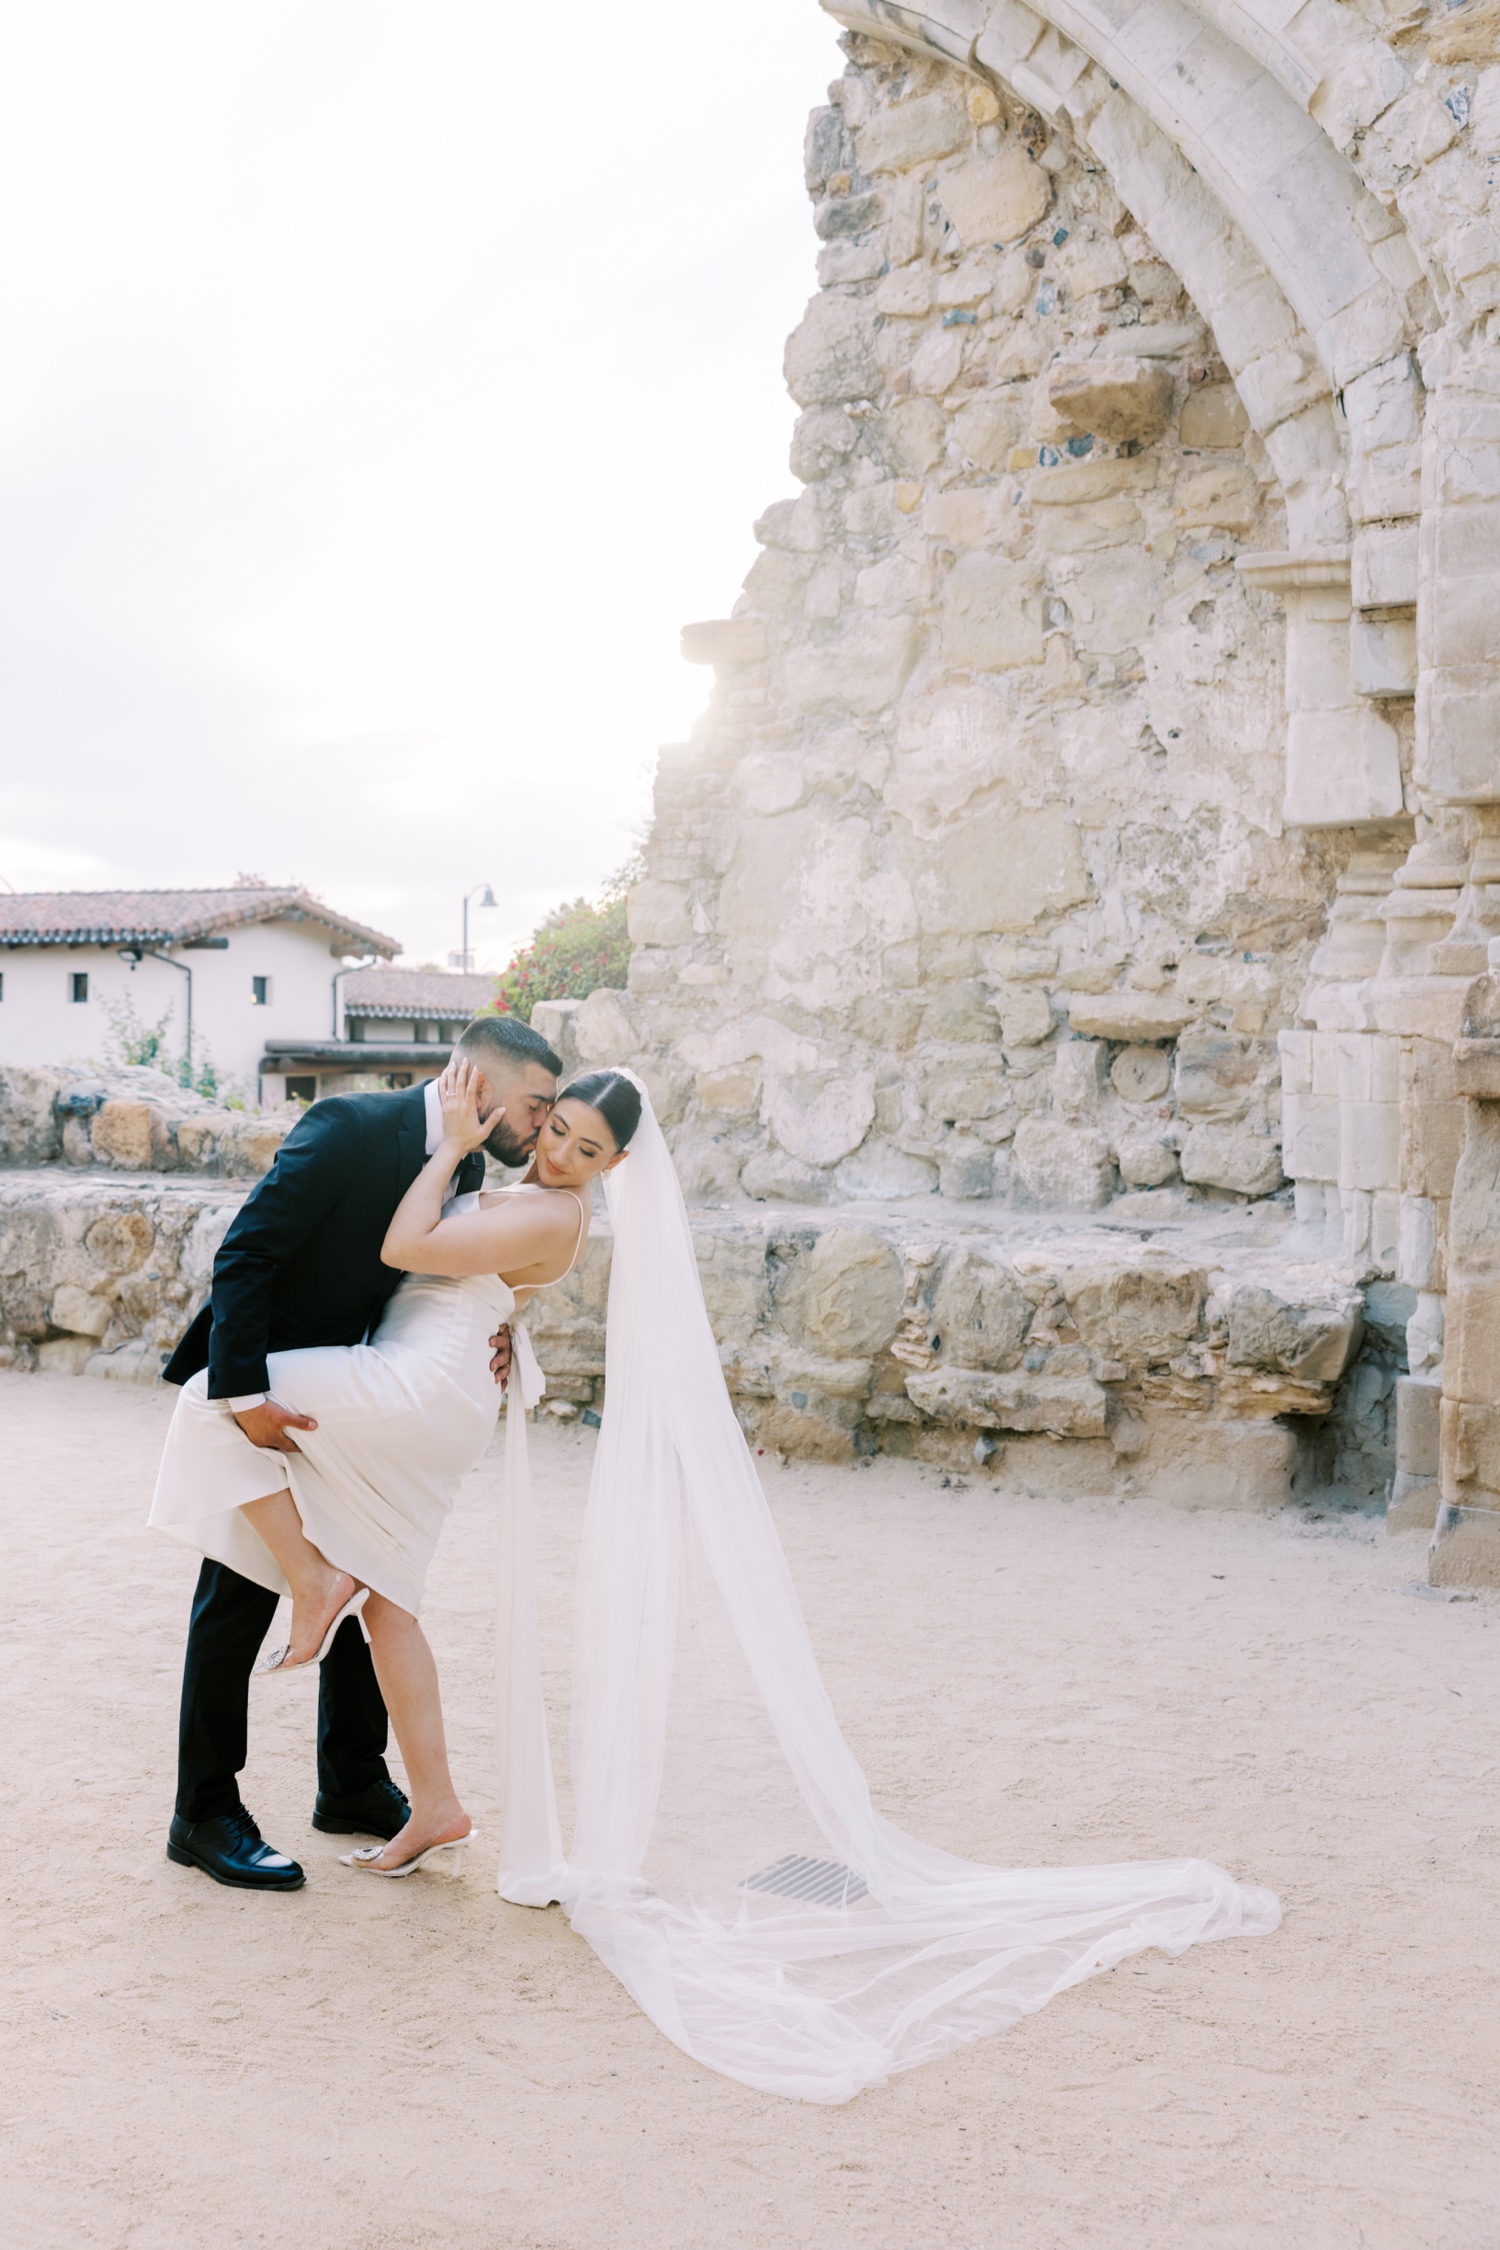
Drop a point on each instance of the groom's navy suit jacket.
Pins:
(300, 1264)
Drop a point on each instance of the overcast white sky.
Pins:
(381, 387)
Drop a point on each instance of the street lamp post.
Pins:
(487, 900)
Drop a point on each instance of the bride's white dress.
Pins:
(401, 1420)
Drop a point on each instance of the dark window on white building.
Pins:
(260, 992)
(79, 984)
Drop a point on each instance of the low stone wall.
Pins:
(132, 1120)
(104, 1275)
(1207, 1358)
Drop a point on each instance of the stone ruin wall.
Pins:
(976, 879)
(1100, 791)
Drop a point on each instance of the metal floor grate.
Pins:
(821, 1882)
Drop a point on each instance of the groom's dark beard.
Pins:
(503, 1145)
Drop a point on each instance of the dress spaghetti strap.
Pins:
(521, 1188)
(583, 1219)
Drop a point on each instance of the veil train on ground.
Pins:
(726, 1861)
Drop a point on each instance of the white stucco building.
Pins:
(394, 1027)
(246, 966)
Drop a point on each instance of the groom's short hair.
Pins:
(506, 1038)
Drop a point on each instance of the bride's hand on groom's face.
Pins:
(459, 1093)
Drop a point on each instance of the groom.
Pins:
(300, 1265)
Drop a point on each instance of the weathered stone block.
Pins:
(1469, 1451)
(992, 613)
(120, 1241)
(775, 1177)
(845, 1296)
(878, 1172)
(1383, 566)
(30, 1128)
(1370, 1145)
(822, 438)
(1383, 656)
(1309, 1137)
(985, 431)
(1212, 416)
(129, 1135)
(1078, 483)
(1145, 1159)
(966, 1171)
(961, 1011)
(831, 356)
(1224, 497)
(1216, 1074)
(913, 133)
(604, 1028)
(911, 435)
(820, 1117)
(1466, 1548)
(1418, 1402)
(249, 1146)
(979, 1316)
(1131, 1016)
(1140, 1315)
(79, 1311)
(1000, 870)
(1116, 398)
(1141, 1074)
(962, 1091)
(1231, 1156)
(1068, 1165)
(1314, 1343)
(996, 198)
(1078, 1076)
(1063, 1406)
(862, 668)
(1025, 1015)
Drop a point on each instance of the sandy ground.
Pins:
(419, 2065)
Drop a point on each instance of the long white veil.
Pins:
(726, 1861)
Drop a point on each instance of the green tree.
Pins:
(578, 947)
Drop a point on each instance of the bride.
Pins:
(726, 1861)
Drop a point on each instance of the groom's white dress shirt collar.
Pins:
(434, 1142)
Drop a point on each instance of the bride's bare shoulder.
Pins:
(557, 1207)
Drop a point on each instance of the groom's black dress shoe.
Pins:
(380, 1810)
(232, 1850)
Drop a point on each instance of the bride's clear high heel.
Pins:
(277, 1660)
(364, 1860)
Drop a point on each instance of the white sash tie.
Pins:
(532, 1868)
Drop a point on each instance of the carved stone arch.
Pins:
(1343, 752)
(1374, 217)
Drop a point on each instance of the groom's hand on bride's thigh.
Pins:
(267, 1425)
(500, 1363)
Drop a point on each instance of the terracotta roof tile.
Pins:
(169, 917)
(443, 993)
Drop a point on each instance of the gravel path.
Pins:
(422, 2067)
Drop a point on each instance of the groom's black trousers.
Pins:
(231, 1616)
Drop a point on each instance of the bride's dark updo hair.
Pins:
(612, 1094)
